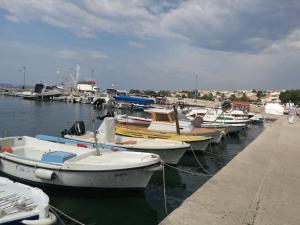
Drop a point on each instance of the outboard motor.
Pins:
(109, 114)
(78, 129)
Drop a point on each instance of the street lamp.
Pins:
(24, 76)
(196, 86)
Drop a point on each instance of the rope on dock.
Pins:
(56, 211)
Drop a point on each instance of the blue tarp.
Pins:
(137, 100)
(57, 157)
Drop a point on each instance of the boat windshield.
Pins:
(183, 117)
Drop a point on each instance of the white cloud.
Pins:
(232, 25)
(81, 54)
(136, 45)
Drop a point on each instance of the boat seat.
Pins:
(57, 156)
(28, 152)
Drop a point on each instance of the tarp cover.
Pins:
(137, 100)
(274, 109)
(106, 131)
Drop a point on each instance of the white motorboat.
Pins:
(169, 151)
(22, 204)
(230, 128)
(134, 120)
(62, 165)
(257, 118)
(218, 116)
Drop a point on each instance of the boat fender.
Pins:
(82, 145)
(44, 174)
(7, 149)
(47, 221)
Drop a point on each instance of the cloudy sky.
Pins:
(153, 44)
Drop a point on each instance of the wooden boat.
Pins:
(196, 142)
(163, 120)
(22, 204)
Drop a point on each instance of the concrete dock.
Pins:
(260, 186)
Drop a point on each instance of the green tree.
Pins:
(232, 97)
(208, 97)
(150, 93)
(134, 91)
(244, 98)
(260, 94)
(164, 93)
(290, 96)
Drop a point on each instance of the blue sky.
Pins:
(154, 44)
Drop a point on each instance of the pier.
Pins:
(259, 186)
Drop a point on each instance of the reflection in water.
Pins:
(23, 117)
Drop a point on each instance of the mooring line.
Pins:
(64, 214)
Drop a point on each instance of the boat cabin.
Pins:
(162, 115)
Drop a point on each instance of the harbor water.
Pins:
(25, 117)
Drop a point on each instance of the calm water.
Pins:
(23, 117)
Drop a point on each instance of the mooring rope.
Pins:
(181, 170)
(188, 172)
(57, 216)
(215, 154)
(199, 163)
(64, 214)
(164, 188)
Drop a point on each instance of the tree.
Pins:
(134, 91)
(209, 97)
(260, 94)
(164, 93)
(290, 95)
(223, 96)
(150, 93)
(233, 97)
(244, 98)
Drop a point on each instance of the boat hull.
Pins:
(170, 156)
(216, 137)
(200, 145)
(19, 221)
(235, 129)
(133, 178)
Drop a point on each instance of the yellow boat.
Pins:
(197, 142)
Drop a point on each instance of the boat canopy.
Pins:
(137, 100)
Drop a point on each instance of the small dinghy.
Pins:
(169, 151)
(62, 165)
(22, 204)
